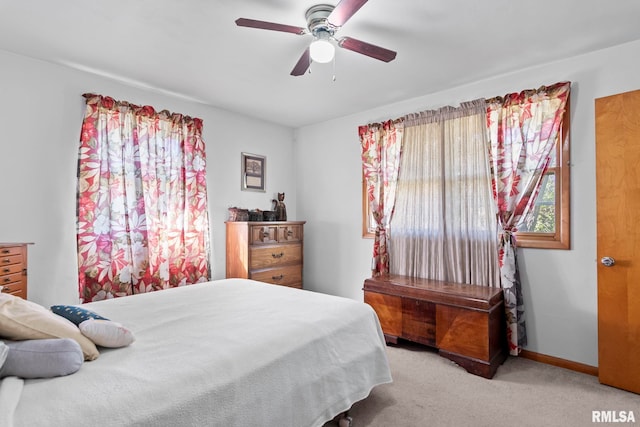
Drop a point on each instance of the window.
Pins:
(444, 226)
(547, 225)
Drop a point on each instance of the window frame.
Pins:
(560, 239)
(368, 229)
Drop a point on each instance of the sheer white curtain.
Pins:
(444, 226)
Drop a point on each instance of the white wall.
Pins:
(41, 111)
(560, 287)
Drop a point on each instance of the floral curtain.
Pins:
(381, 148)
(523, 130)
(142, 219)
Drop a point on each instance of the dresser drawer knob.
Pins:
(6, 251)
(280, 277)
(7, 280)
(289, 232)
(6, 270)
(4, 289)
(6, 260)
(280, 255)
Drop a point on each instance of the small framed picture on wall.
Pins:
(253, 172)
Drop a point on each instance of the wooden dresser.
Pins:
(267, 251)
(13, 269)
(464, 322)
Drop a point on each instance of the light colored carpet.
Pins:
(429, 390)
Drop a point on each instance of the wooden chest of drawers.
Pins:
(13, 269)
(269, 251)
(464, 322)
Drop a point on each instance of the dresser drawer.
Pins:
(11, 269)
(6, 279)
(263, 234)
(272, 256)
(10, 250)
(15, 288)
(286, 276)
(10, 259)
(290, 233)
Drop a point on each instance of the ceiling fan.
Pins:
(323, 22)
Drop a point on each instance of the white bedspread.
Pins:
(227, 353)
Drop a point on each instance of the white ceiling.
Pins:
(194, 49)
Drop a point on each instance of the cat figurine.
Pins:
(280, 208)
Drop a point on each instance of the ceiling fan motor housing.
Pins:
(317, 21)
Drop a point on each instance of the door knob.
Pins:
(607, 261)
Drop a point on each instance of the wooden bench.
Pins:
(464, 322)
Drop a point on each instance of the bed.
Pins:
(231, 352)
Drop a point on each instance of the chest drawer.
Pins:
(13, 287)
(10, 250)
(11, 278)
(11, 269)
(264, 234)
(271, 256)
(290, 233)
(286, 276)
(10, 259)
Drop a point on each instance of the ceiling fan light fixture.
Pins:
(322, 50)
(323, 21)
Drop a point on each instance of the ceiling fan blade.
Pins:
(303, 64)
(264, 25)
(368, 49)
(343, 11)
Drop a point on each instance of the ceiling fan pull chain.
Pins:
(334, 68)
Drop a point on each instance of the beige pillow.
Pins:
(25, 320)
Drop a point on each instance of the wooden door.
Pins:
(618, 216)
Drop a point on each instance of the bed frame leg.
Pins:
(344, 420)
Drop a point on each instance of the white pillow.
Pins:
(106, 333)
